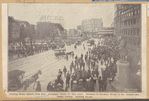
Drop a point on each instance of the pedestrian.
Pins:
(93, 72)
(75, 46)
(83, 65)
(73, 77)
(73, 65)
(70, 69)
(76, 57)
(76, 63)
(67, 57)
(38, 88)
(100, 82)
(67, 79)
(65, 70)
(89, 73)
(73, 55)
(60, 72)
(50, 87)
(84, 48)
(86, 57)
(96, 72)
(92, 84)
(81, 56)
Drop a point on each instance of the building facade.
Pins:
(73, 33)
(91, 25)
(13, 30)
(127, 26)
(49, 30)
(52, 19)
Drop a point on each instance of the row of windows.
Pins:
(130, 9)
(130, 22)
(132, 13)
(127, 10)
(132, 32)
(133, 42)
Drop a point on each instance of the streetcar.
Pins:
(60, 52)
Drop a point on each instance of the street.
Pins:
(47, 63)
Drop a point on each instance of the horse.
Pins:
(31, 80)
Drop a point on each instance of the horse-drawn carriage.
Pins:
(15, 79)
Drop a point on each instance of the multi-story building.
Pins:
(52, 19)
(18, 30)
(91, 25)
(13, 29)
(127, 25)
(49, 30)
(73, 32)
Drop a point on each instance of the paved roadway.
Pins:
(50, 65)
(47, 63)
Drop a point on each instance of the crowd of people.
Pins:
(28, 49)
(84, 72)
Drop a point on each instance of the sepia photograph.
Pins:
(59, 47)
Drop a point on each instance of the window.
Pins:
(131, 22)
(134, 21)
(135, 12)
(131, 32)
(131, 13)
(138, 32)
(138, 11)
(134, 42)
(130, 41)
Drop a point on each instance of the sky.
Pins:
(73, 14)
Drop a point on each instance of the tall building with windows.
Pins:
(127, 26)
(52, 19)
(91, 25)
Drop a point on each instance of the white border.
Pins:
(97, 94)
(144, 28)
(4, 45)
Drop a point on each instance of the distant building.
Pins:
(52, 19)
(104, 31)
(18, 30)
(64, 35)
(72, 32)
(13, 29)
(91, 25)
(112, 25)
(79, 27)
(49, 30)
